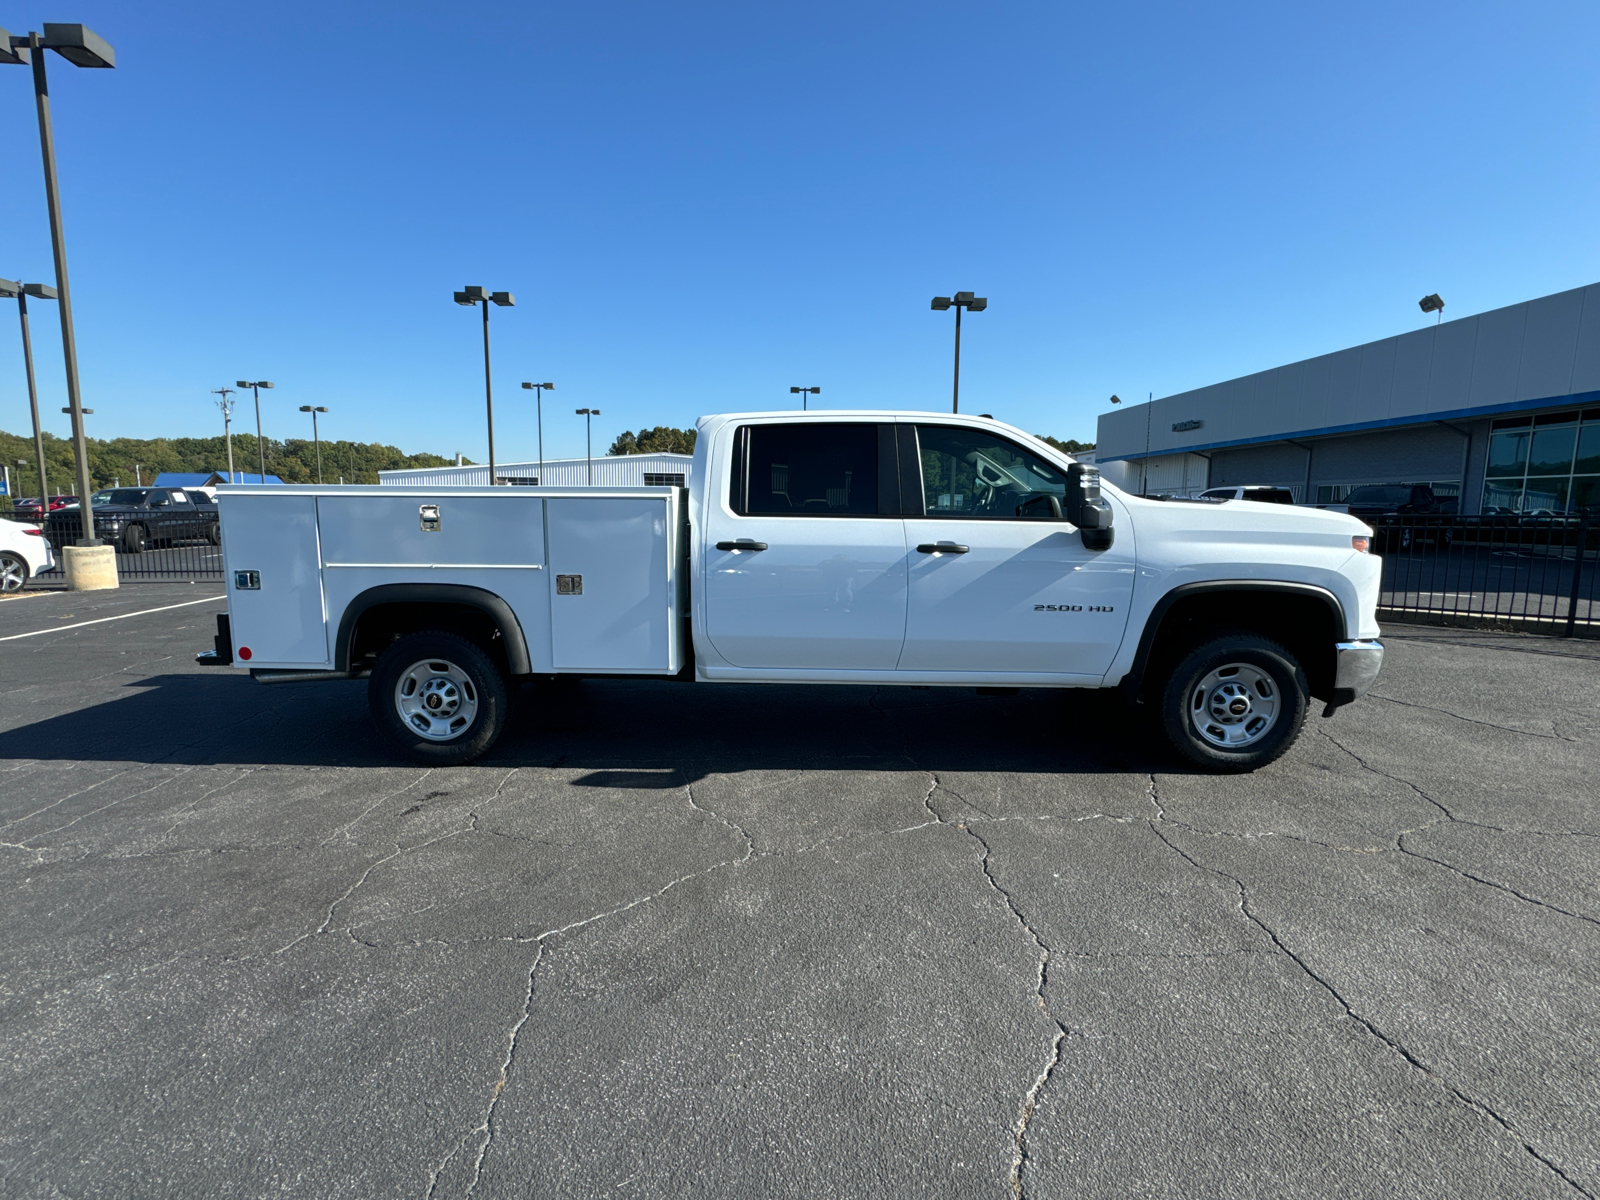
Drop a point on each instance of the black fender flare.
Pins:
(436, 593)
(1134, 679)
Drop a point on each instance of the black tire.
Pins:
(133, 539)
(1208, 713)
(473, 691)
(214, 534)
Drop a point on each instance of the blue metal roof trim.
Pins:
(1576, 399)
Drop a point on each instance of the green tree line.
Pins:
(115, 461)
(663, 439)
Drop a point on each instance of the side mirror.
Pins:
(1041, 508)
(1087, 509)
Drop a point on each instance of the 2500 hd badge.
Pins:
(1074, 608)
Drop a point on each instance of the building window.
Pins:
(520, 480)
(657, 479)
(1548, 465)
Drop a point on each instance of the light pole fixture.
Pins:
(44, 501)
(539, 389)
(315, 440)
(22, 291)
(226, 406)
(261, 446)
(804, 394)
(1432, 304)
(959, 301)
(588, 415)
(82, 48)
(469, 296)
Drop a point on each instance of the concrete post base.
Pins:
(90, 568)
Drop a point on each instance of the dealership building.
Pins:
(1501, 410)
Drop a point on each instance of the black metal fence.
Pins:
(1539, 574)
(165, 559)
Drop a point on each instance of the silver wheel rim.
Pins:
(1234, 706)
(436, 699)
(12, 574)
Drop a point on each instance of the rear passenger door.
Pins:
(805, 555)
(183, 519)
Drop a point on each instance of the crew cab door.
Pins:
(992, 590)
(183, 521)
(159, 523)
(821, 580)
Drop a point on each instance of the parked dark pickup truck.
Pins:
(1393, 500)
(133, 518)
(1378, 502)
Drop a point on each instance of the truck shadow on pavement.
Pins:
(627, 732)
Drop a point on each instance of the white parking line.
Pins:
(103, 620)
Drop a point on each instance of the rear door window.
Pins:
(812, 469)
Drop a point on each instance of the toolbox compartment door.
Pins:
(623, 616)
(269, 546)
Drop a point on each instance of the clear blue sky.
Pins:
(700, 205)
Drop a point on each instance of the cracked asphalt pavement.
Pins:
(672, 940)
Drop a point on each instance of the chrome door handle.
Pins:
(942, 548)
(742, 544)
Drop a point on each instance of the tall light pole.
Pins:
(315, 440)
(82, 48)
(588, 415)
(261, 445)
(469, 296)
(804, 393)
(971, 303)
(539, 389)
(43, 292)
(226, 406)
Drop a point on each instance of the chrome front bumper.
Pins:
(1356, 667)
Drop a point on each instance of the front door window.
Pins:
(969, 473)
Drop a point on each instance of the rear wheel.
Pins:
(214, 534)
(133, 539)
(439, 697)
(13, 573)
(1235, 703)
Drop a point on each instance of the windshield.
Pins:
(1380, 495)
(121, 496)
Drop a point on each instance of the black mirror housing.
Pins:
(1087, 509)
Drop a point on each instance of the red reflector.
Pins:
(244, 653)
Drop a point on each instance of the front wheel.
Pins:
(438, 697)
(1235, 703)
(133, 539)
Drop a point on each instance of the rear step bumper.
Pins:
(221, 655)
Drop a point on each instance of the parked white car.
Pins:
(1261, 493)
(24, 553)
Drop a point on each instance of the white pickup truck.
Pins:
(830, 547)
